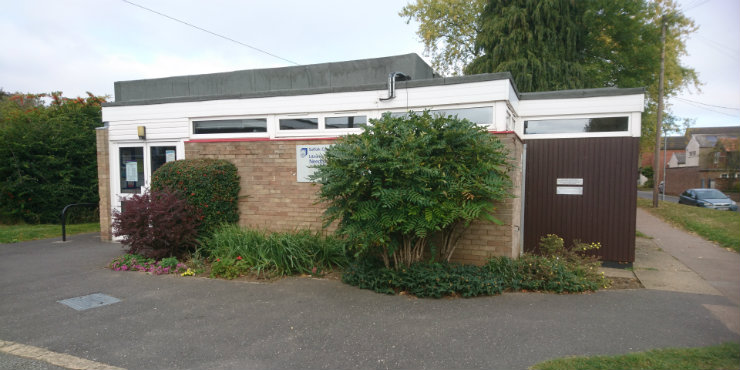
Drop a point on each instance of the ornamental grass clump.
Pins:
(237, 251)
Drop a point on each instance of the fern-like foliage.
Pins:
(405, 178)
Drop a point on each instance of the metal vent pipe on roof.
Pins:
(392, 77)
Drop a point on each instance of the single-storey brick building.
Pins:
(575, 152)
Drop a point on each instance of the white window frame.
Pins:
(420, 109)
(228, 135)
(321, 131)
(627, 133)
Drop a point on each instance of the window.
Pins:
(131, 169)
(724, 176)
(479, 115)
(225, 126)
(574, 125)
(345, 122)
(692, 153)
(299, 123)
(161, 155)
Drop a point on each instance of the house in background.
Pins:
(710, 161)
(677, 160)
(668, 148)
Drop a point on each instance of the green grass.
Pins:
(23, 232)
(639, 234)
(724, 356)
(722, 227)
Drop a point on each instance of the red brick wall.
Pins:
(272, 199)
(682, 178)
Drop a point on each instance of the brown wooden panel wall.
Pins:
(604, 213)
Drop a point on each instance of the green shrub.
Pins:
(47, 157)
(406, 178)
(561, 270)
(424, 279)
(237, 250)
(209, 185)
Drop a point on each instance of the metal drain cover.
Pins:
(89, 301)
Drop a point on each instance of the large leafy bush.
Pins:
(157, 224)
(209, 185)
(404, 179)
(47, 155)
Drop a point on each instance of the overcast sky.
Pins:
(76, 46)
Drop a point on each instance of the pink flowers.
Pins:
(239, 258)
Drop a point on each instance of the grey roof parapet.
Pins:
(324, 78)
(438, 81)
(581, 93)
(324, 75)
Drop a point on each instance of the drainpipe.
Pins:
(392, 77)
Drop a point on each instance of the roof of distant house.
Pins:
(674, 143)
(680, 157)
(726, 130)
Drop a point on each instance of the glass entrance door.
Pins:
(136, 164)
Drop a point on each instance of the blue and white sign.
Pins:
(307, 157)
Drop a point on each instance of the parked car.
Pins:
(707, 198)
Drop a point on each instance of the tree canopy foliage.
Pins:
(48, 155)
(406, 178)
(562, 44)
(448, 29)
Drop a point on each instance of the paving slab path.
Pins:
(718, 266)
(173, 322)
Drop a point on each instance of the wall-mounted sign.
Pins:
(569, 190)
(570, 182)
(306, 158)
(132, 171)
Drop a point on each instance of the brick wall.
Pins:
(272, 199)
(483, 239)
(101, 136)
(682, 178)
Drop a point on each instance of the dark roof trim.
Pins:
(325, 90)
(581, 93)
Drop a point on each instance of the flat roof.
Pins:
(349, 76)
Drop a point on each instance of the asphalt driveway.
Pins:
(171, 322)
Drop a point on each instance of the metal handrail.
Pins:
(64, 216)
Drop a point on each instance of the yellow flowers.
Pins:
(189, 272)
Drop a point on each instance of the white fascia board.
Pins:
(531, 109)
(416, 97)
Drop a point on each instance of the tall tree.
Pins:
(564, 44)
(540, 41)
(448, 29)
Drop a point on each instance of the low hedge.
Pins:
(209, 185)
(559, 270)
